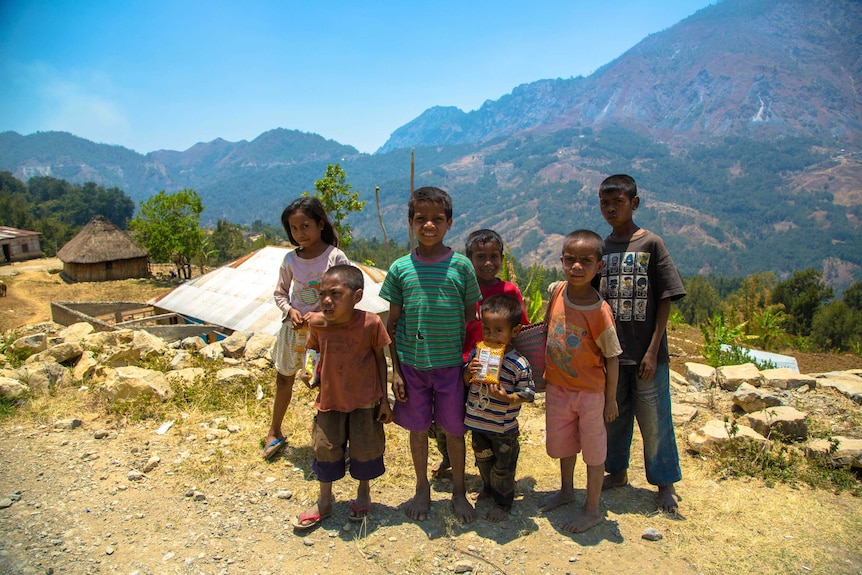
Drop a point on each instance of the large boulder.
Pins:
(732, 376)
(61, 353)
(699, 376)
(229, 376)
(43, 376)
(786, 378)
(85, 367)
(751, 398)
(30, 344)
(76, 332)
(714, 435)
(258, 346)
(12, 388)
(130, 382)
(187, 375)
(844, 382)
(847, 453)
(785, 421)
(234, 344)
(102, 339)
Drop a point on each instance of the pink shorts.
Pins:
(575, 423)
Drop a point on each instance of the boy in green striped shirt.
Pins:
(432, 293)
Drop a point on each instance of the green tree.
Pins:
(802, 295)
(168, 226)
(15, 210)
(835, 327)
(338, 200)
(228, 241)
(853, 297)
(701, 301)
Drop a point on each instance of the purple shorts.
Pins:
(433, 396)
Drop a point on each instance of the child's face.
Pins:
(429, 223)
(581, 262)
(617, 207)
(487, 259)
(496, 329)
(337, 300)
(304, 230)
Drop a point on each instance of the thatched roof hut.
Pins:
(102, 252)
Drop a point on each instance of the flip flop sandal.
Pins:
(274, 447)
(358, 514)
(313, 519)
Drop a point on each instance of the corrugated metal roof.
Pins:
(7, 233)
(239, 297)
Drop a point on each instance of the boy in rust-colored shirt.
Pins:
(352, 405)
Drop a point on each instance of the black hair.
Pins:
(483, 236)
(350, 276)
(505, 305)
(585, 236)
(432, 195)
(619, 183)
(313, 209)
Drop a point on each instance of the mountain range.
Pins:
(741, 123)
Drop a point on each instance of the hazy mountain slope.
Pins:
(743, 67)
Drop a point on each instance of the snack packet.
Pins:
(491, 358)
(312, 366)
(301, 338)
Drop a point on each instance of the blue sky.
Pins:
(166, 74)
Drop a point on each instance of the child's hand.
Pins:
(611, 410)
(398, 388)
(474, 366)
(296, 320)
(307, 379)
(496, 391)
(314, 319)
(384, 412)
(646, 369)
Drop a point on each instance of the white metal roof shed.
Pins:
(238, 296)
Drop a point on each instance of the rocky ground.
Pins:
(113, 495)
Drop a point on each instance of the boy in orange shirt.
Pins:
(581, 372)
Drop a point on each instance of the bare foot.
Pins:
(496, 515)
(464, 511)
(668, 499)
(583, 521)
(417, 508)
(618, 479)
(480, 495)
(559, 498)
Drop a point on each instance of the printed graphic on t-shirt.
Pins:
(564, 343)
(309, 293)
(625, 284)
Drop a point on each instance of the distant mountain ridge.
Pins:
(740, 67)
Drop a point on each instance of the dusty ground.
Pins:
(74, 508)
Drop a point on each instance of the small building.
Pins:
(18, 245)
(103, 252)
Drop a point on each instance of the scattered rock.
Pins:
(463, 567)
(71, 423)
(651, 534)
(699, 376)
(731, 377)
(100, 434)
(135, 475)
(751, 398)
(683, 413)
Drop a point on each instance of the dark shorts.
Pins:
(433, 396)
(334, 430)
